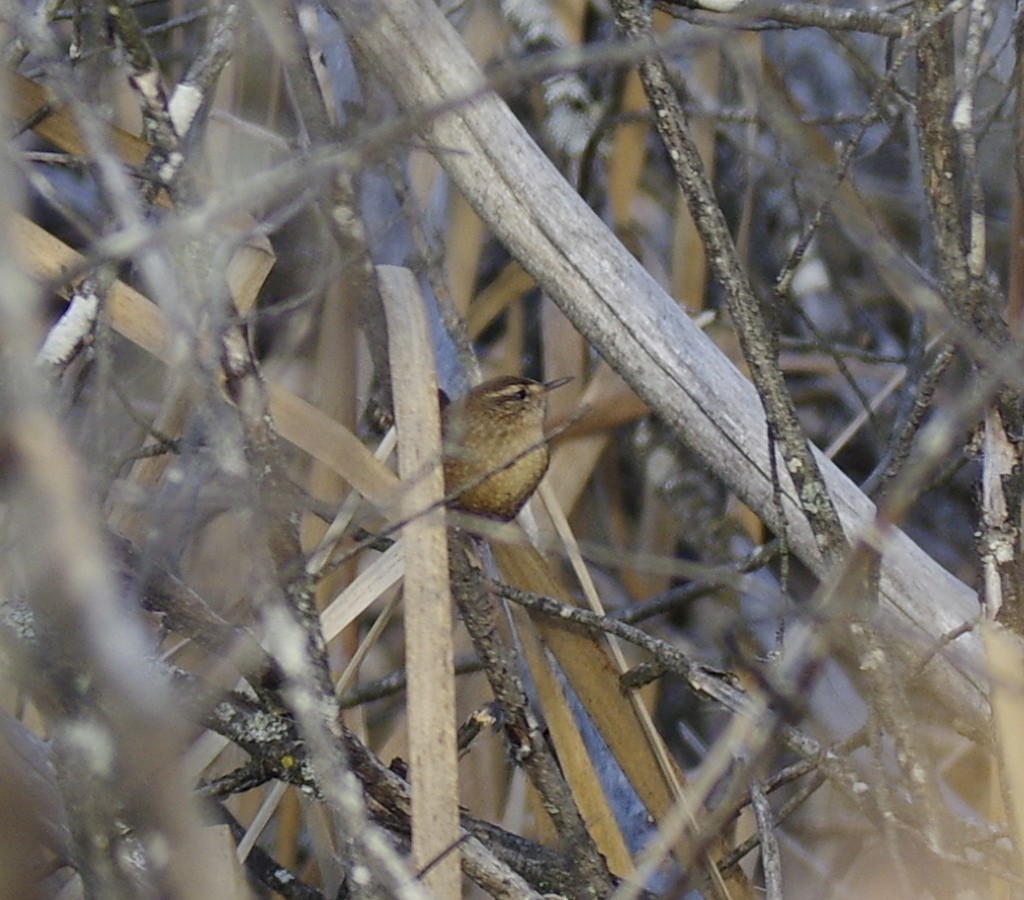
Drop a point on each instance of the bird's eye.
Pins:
(521, 394)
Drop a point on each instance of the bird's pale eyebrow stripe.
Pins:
(513, 392)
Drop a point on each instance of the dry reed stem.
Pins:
(430, 696)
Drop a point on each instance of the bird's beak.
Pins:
(557, 383)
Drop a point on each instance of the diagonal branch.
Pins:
(634, 20)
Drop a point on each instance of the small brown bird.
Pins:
(497, 428)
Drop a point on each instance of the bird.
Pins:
(495, 450)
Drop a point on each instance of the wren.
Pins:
(497, 428)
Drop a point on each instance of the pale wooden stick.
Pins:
(429, 653)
